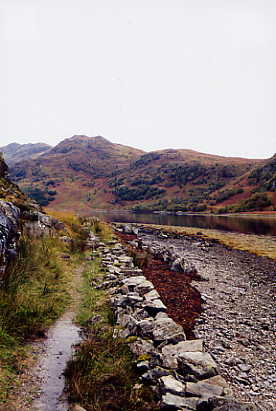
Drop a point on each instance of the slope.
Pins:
(72, 175)
(15, 152)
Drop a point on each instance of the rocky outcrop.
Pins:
(9, 226)
(183, 375)
(37, 224)
(12, 221)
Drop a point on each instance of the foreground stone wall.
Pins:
(179, 371)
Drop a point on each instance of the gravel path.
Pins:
(237, 324)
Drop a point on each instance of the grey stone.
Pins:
(170, 352)
(174, 402)
(140, 314)
(183, 346)
(181, 264)
(203, 389)
(134, 298)
(153, 375)
(132, 282)
(119, 301)
(141, 346)
(127, 321)
(146, 328)
(144, 287)
(152, 295)
(170, 384)
(165, 329)
(199, 364)
(155, 306)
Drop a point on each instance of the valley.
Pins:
(150, 286)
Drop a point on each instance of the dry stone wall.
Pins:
(183, 375)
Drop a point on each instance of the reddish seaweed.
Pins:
(183, 301)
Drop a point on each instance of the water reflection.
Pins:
(246, 224)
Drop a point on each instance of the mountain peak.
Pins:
(83, 137)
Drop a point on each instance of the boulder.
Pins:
(170, 384)
(199, 364)
(175, 402)
(161, 329)
(183, 346)
(151, 376)
(132, 282)
(144, 287)
(170, 352)
(154, 307)
(152, 295)
(181, 264)
(140, 347)
(165, 329)
(203, 389)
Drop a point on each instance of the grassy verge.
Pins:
(102, 374)
(260, 245)
(36, 291)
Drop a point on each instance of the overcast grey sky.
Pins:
(153, 74)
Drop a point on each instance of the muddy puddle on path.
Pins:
(49, 370)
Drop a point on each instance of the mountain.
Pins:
(15, 152)
(82, 173)
(73, 174)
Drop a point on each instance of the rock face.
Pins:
(9, 226)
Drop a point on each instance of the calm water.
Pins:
(246, 224)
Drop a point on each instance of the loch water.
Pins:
(248, 224)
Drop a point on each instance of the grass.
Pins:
(263, 246)
(102, 374)
(36, 291)
(34, 294)
(100, 228)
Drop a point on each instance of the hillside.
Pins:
(73, 174)
(10, 191)
(15, 152)
(82, 173)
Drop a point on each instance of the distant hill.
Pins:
(15, 152)
(82, 173)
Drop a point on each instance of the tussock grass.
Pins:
(100, 228)
(101, 375)
(263, 246)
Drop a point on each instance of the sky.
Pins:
(152, 74)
